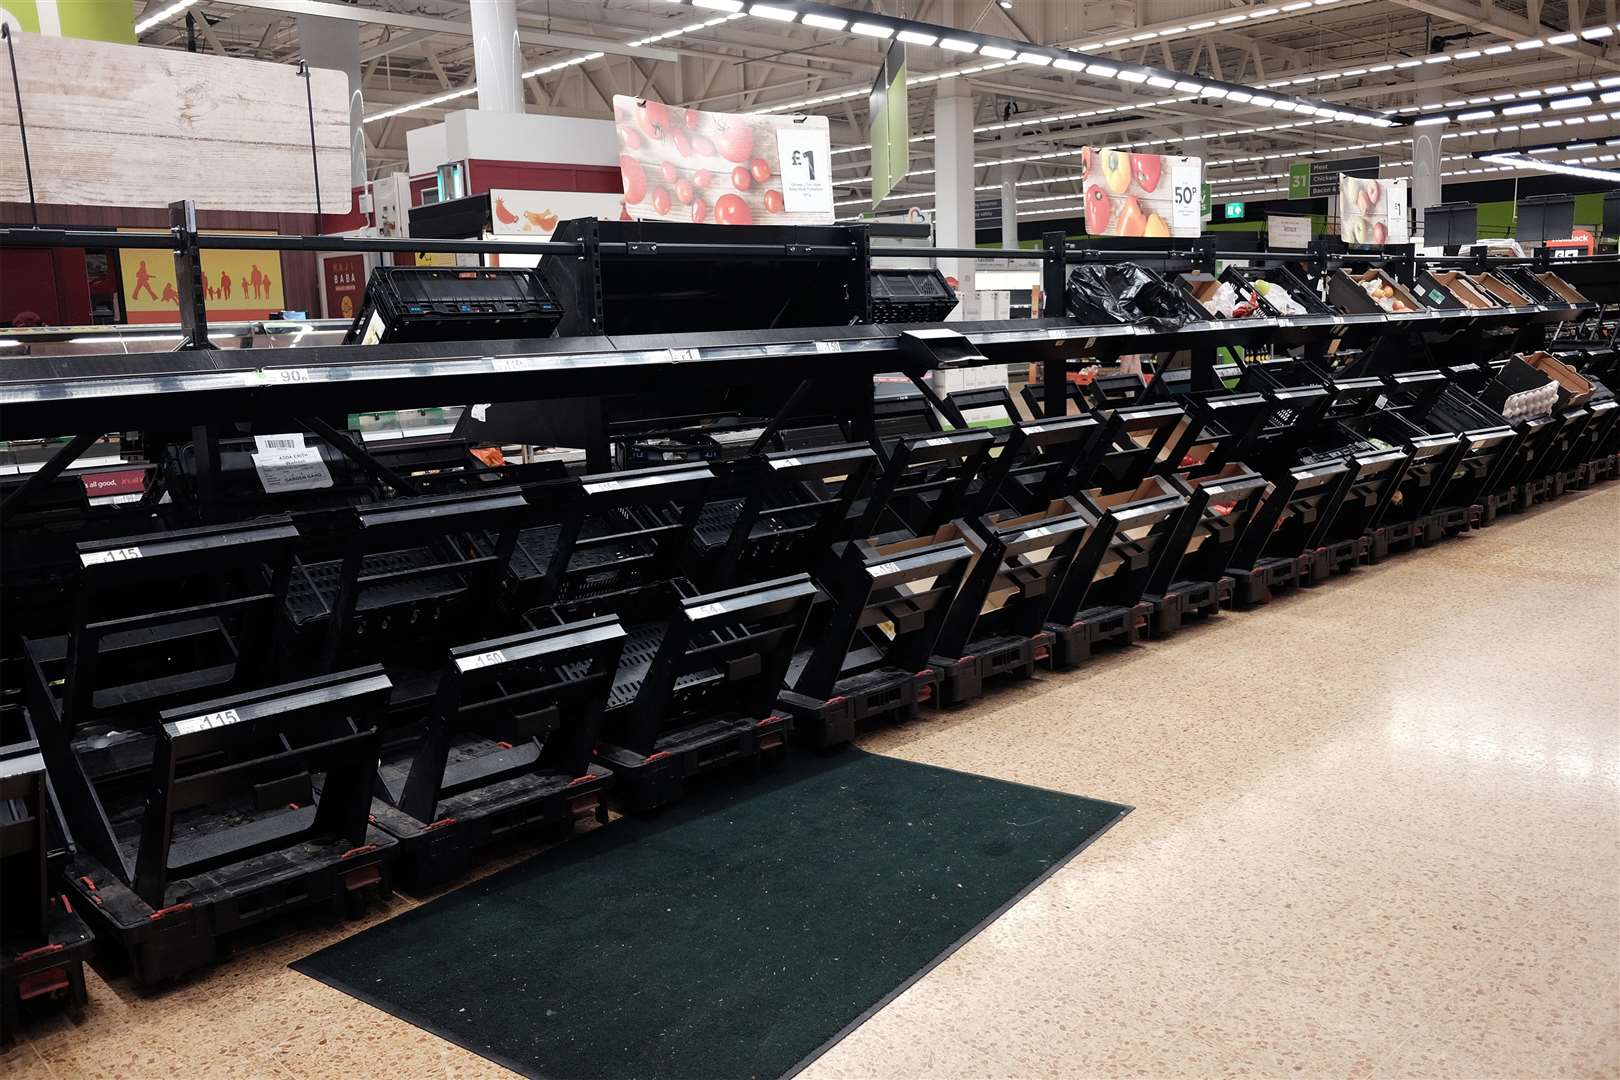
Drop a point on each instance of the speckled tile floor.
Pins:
(1377, 834)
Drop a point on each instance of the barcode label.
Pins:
(829, 346)
(94, 558)
(681, 355)
(482, 660)
(292, 440)
(203, 723)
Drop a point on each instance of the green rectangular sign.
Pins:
(1235, 211)
(889, 117)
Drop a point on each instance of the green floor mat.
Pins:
(738, 934)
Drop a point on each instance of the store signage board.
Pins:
(1234, 211)
(1314, 179)
(124, 125)
(1284, 231)
(237, 285)
(889, 129)
(1373, 211)
(723, 168)
(1129, 194)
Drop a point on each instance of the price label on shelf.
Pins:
(481, 660)
(114, 555)
(286, 375)
(829, 346)
(507, 363)
(681, 355)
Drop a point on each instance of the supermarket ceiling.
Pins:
(1473, 63)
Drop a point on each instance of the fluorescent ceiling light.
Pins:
(1204, 24)
(1572, 102)
(1466, 54)
(1215, 92)
(961, 45)
(1284, 104)
(1239, 96)
(1188, 87)
(1262, 99)
(160, 15)
(870, 29)
(1037, 59)
(1114, 43)
(1161, 82)
(1610, 97)
(1430, 121)
(719, 5)
(916, 37)
(1597, 32)
(824, 22)
(779, 14)
(1498, 50)
(1107, 71)
(1376, 68)
(1410, 64)
(998, 51)
(1438, 58)
(1132, 76)
(1230, 19)
(1521, 110)
(1148, 36)
(1066, 64)
(1561, 39)
(1533, 43)
(1482, 114)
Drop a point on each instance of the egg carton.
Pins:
(1527, 404)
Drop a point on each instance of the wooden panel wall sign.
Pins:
(122, 125)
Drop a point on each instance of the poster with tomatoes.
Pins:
(723, 168)
(534, 215)
(1373, 211)
(1130, 194)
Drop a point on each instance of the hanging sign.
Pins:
(1373, 211)
(1130, 194)
(723, 168)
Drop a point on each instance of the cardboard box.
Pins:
(1573, 389)
(1561, 287)
(1462, 289)
(1500, 289)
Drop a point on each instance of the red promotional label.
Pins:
(124, 482)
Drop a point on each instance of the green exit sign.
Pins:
(1234, 211)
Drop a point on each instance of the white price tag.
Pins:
(681, 355)
(292, 470)
(602, 485)
(481, 660)
(286, 375)
(1038, 532)
(884, 568)
(1186, 186)
(202, 723)
(829, 346)
(805, 166)
(704, 611)
(785, 463)
(508, 363)
(95, 558)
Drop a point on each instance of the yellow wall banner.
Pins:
(241, 285)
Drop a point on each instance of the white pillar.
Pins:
(497, 55)
(1426, 182)
(335, 44)
(1009, 208)
(953, 187)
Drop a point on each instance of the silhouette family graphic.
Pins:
(254, 285)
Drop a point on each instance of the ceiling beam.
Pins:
(356, 13)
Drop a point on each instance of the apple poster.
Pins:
(1372, 211)
(723, 168)
(1128, 194)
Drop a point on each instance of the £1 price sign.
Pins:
(805, 167)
